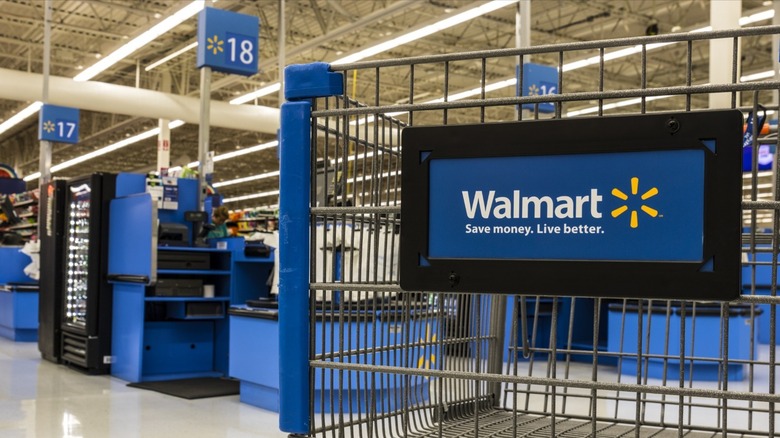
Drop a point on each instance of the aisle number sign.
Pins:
(59, 124)
(539, 80)
(227, 41)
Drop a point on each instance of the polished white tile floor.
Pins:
(39, 399)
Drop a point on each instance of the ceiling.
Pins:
(314, 30)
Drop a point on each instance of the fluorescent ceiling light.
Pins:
(248, 150)
(265, 91)
(141, 40)
(614, 105)
(104, 150)
(757, 76)
(20, 116)
(425, 31)
(759, 16)
(252, 196)
(622, 103)
(395, 42)
(225, 156)
(246, 179)
(162, 61)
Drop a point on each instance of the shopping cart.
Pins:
(363, 358)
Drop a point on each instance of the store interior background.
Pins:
(84, 32)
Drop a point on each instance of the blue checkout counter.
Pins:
(702, 340)
(763, 282)
(165, 325)
(255, 361)
(18, 297)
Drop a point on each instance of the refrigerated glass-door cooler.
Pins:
(87, 297)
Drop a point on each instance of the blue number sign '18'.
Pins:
(58, 124)
(227, 41)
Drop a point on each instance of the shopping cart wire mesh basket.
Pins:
(360, 357)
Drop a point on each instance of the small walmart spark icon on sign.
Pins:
(215, 44)
(48, 126)
(634, 190)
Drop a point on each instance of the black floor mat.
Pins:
(191, 389)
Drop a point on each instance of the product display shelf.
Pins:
(24, 206)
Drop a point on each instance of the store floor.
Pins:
(39, 399)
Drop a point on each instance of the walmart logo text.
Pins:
(517, 207)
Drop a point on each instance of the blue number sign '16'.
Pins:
(227, 41)
(539, 80)
(58, 124)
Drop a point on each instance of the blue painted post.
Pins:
(294, 267)
(302, 83)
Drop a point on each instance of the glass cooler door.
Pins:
(77, 256)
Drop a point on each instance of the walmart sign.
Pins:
(646, 206)
(620, 206)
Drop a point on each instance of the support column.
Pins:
(282, 55)
(44, 165)
(203, 132)
(724, 14)
(776, 50)
(164, 137)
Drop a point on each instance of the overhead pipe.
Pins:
(119, 99)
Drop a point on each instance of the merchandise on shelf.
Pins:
(19, 215)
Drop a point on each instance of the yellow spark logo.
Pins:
(215, 44)
(425, 361)
(634, 190)
(48, 126)
(533, 90)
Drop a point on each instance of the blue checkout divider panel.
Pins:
(132, 225)
(126, 336)
(13, 264)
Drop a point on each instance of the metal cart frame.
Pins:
(360, 357)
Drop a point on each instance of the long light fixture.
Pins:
(574, 65)
(167, 58)
(20, 116)
(233, 154)
(614, 105)
(395, 42)
(106, 149)
(252, 196)
(246, 179)
(249, 150)
(636, 100)
(265, 91)
(141, 40)
(425, 31)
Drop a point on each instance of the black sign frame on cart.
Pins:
(645, 206)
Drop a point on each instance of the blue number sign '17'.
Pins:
(227, 41)
(539, 80)
(58, 124)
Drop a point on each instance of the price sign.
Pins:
(59, 124)
(227, 41)
(539, 80)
